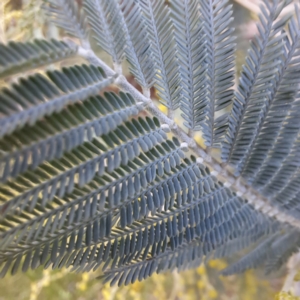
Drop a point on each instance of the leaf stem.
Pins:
(223, 174)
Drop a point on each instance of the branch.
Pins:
(218, 170)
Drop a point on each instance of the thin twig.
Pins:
(223, 174)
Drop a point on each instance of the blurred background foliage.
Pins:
(202, 283)
(23, 20)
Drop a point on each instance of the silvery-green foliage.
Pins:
(106, 21)
(164, 51)
(66, 15)
(16, 57)
(219, 51)
(260, 81)
(89, 180)
(137, 51)
(271, 253)
(190, 39)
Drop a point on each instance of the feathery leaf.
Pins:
(66, 15)
(257, 78)
(138, 51)
(106, 20)
(164, 52)
(51, 137)
(18, 57)
(191, 54)
(37, 96)
(278, 107)
(219, 61)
